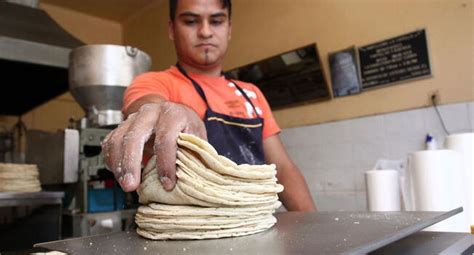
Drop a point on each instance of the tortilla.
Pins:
(19, 178)
(213, 197)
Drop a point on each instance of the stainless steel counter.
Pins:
(8, 199)
(295, 233)
(28, 218)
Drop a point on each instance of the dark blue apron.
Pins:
(236, 138)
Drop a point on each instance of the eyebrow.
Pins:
(195, 15)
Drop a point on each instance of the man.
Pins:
(194, 97)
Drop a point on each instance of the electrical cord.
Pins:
(433, 100)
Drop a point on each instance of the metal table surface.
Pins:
(8, 199)
(29, 218)
(295, 233)
(426, 242)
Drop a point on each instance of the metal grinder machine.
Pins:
(98, 77)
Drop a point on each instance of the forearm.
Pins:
(296, 195)
(135, 106)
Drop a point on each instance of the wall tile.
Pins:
(286, 136)
(470, 107)
(361, 201)
(407, 124)
(293, 152)
(366, 129)
(305, 157)
(338, 179)
(341, 201)
(456, 117)
(369, 152)
(359, 179)
(366, 156)
(335, 156)
(335, 133)
(359, 176)
(315, 180)
(336, 201)
(315, 135)
(433, 125)
(302, 136)
(399, 149)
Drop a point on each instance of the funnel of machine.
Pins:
(98, 77)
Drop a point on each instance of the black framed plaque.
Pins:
(344, 68)
(289, 78)
(394, 60)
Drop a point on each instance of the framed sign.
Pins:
(289, 78)
(344, 72)
(393, 60)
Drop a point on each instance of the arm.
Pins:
(150, 118)
(295, 196)
(135, 106)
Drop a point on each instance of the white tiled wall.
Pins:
(334, 156)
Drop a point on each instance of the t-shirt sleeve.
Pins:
(151, 83)
(270, 126)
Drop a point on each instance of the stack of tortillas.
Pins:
(213, 198)
(19, 178)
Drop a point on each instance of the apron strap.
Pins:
(195, 84)
(203, 96)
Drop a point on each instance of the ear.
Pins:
(230, 30)
(171, 30)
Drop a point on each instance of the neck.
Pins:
(212, 71)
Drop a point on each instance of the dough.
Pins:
(214, 197)
(19, 178)
(207, 234)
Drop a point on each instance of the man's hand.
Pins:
(123, 147)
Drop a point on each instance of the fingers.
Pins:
(123, 147)
(194, 125)
(112, 149)
(138, 133)
(165, 148)
(167, 130)
(173, 120)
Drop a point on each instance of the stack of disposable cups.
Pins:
(383, 190)
(434, 179)
(463, 144)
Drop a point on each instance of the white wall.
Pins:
(334, 156)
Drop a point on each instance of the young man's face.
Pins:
(201, 31)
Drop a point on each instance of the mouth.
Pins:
(206, 45)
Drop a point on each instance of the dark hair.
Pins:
(226, 4)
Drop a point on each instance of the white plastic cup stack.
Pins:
(383, 190)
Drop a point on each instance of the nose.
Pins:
(205, 30)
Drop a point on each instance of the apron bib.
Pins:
(236, 138)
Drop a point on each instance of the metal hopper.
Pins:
(98, 77)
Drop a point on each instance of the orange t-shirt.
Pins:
(223, 97)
